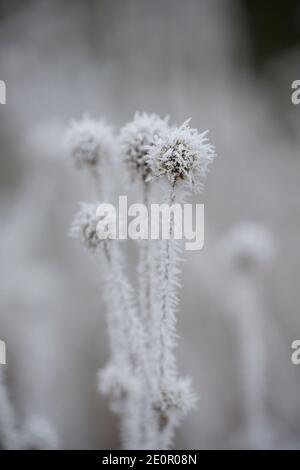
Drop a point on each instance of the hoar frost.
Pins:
(141, 378)
(89, 141)
(136, 138)
(91, 229)
(182, 155)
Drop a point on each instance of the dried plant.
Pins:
(141, 378)
(246, 251)
(8, 427)
(36, 434)
(90, 143)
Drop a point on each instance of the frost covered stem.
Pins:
(146, 279)
(166, 322)
(128, 348)
(122, 318)
(144, 271)
(252, 341)
(9, 438)
(96, 177)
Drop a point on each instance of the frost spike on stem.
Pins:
(156, 398)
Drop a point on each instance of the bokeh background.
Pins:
(228, 65)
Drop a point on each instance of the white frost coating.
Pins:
(36, 434)
(141, 378)
(182, 155)
(88, 141)
(90, 144)
(92, 230)
(8, 425)
(135, 139)
(246, 250)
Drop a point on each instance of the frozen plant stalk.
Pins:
(181, 156)
(142, 378)
(248, 248)
(119, 379)
(36, 434)
(8, 428)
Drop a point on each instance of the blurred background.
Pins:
(228, 65)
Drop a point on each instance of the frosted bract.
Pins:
(135, 139)
(89, 141)
(182, 155)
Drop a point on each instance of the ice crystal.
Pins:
(89, 141)
(142, 379)
(176, 396)
(135, 139)
(182, 154)
(91, 229)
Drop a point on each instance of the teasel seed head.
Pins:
(89, 141)
(90, 229)
(182, 155)
(135, 140)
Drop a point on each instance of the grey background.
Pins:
(228, 65)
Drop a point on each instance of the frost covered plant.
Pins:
(84, 226)
(90, 144)
(119, 379)
(141, 378)
(249, 246)
(89, 141)
(37, 434)
(92, 230)
(182, 155)
(247, 249)
(8, 427)
(135, 139)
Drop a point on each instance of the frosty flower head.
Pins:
(249, 245)
(89, 141)
(89, 228)
(182, 155)
(136, 138)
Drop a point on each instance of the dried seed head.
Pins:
(84, 226)
(90, 229)
(136, 138)
(89, 141)
(182, 155)
(249, 245)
